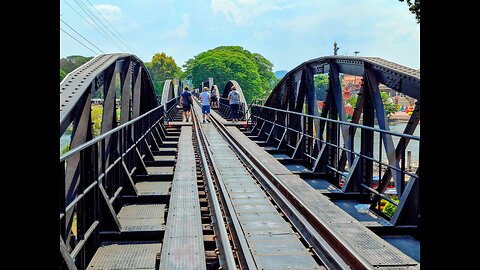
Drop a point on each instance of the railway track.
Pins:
(326, 247)
(317, 247)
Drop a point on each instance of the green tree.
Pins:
(414, 8)
(389, 106)
(251, 70)
(265, 70)
(352, 101)
(70, 63)
(389, 209)
(320, 82)
(161, 68)
(62, 74)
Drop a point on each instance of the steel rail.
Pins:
(219, 224)
(334, 252)
(247, 258)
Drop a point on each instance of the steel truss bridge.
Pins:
(289, 187)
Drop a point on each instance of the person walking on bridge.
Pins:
(186, 101)
(233, 99)
(214, 97)
(205, 99)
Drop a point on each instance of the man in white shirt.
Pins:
(205, 99)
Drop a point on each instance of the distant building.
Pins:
(350, 85)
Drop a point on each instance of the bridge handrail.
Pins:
(413, 137)
(242, 108)
(106, 134)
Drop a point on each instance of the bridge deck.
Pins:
(183, 241)
(373, 248)
(125, 255)
(140, 216)
(225, 121)
(272, 242)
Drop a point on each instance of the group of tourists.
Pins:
(207, 99)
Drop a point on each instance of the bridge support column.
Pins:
(80, 134)
(408, 209)
(366, 148)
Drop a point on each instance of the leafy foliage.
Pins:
(72, 62)
(389, 209)
(352, 101)
(65, 149)
(97, 111)
(414, 8)
(389, 106)
(320, 83)
(161, 68)
(251, 70)
(62, 74)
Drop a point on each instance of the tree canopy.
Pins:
(414, 8)
(251, 70)
(62, 74)
(70, 63)
(320, 82)
(161, 68)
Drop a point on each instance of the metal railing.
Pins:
(225, 109)
(259, 102)
(324, 150)
(105, 172)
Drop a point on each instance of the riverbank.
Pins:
(399, 117)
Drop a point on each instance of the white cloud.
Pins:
(261, 35)
(242, 12)
(372, 27)
(182, 30)
(110, 12)
(404, 29)
(131, 27)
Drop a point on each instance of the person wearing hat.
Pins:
(205, 99)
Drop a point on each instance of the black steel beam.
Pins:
(125, 113)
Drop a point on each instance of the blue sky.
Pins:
(284, 31)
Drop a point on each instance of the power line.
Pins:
(123, 40)
(85, 19)
(82, 36)
(78, 41)
(106, 34)
(98, 20)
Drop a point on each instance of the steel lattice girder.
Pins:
(292, 94)
(90, 77)
(76, 92)
(397, 77)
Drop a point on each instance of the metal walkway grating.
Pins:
(183, 241)
(125, 255)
